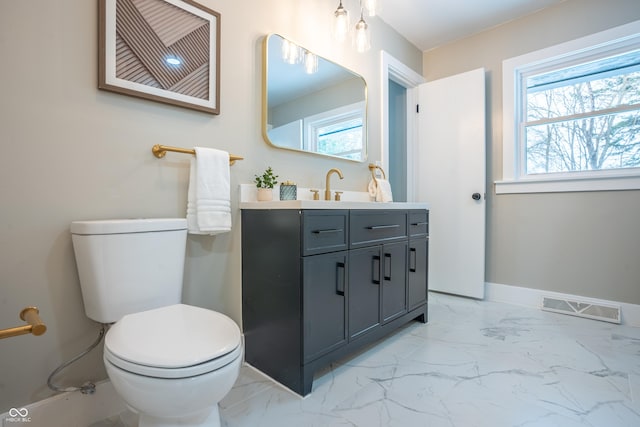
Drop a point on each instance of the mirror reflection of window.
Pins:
(312, 104)
(337, 132)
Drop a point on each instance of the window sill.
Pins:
(565, 185)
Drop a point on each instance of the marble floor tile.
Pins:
(476, 363)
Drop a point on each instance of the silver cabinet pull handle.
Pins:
(382, 227)
(332, 230)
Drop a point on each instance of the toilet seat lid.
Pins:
(174, 373)
(175, 336)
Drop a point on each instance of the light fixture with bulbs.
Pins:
(290, 52)
(372, 7)
(293, 54)
(310, 62)
(362, 36)
(341, 23)
(361, 33)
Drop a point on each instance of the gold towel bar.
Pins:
(160, 150)
(35, 325)
(373, 168)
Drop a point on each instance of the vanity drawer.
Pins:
(377, 226)
(418, 223)
(324, 231)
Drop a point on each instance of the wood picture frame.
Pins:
(162, 50)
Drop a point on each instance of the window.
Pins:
(337, 132)
(572, 116)
(584, 117)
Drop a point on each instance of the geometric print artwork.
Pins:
(148, 32)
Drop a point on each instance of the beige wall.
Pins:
(579, 243)
(70, 151)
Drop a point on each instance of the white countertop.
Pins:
(324, 204)
(350, 200)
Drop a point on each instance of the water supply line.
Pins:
(88, 387)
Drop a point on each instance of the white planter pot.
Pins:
(265, 194)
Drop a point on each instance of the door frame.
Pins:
(393, 69)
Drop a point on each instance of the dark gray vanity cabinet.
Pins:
(418, 252)
(319, 284)
(394, 280)
(364, 290)
(324, 304)
(377, 286)
(378, 276)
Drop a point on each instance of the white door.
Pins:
(451, 178)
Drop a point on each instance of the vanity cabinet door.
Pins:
(364, 290)
(418, 269)
(324, 303)
(394, 280)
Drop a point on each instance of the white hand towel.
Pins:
(208, 200)
(380, 190)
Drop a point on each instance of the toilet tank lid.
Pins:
(123, 226)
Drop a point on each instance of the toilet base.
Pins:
(209, 418)
(179, 402)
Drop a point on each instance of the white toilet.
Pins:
(171, 363)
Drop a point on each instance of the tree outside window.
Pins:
(583, 118)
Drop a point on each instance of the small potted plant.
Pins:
(265, 183)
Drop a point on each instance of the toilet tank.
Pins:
(128, 266)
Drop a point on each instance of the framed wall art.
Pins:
(163, 50)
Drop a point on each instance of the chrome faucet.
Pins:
(327, 190)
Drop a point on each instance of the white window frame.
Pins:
(513, 178)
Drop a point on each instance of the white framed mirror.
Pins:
(312, 104)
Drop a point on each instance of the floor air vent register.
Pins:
(589, 310)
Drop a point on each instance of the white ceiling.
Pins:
(431, 23)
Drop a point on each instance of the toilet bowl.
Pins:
(172, 365)
(170, 362)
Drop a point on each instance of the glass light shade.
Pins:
(362, 37)
(372, 6)
(341, 23)
(310, 62)
(290, 52)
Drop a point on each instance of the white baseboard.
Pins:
(533, 298)
(67, 409)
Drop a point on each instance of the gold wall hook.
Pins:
(35, 325)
